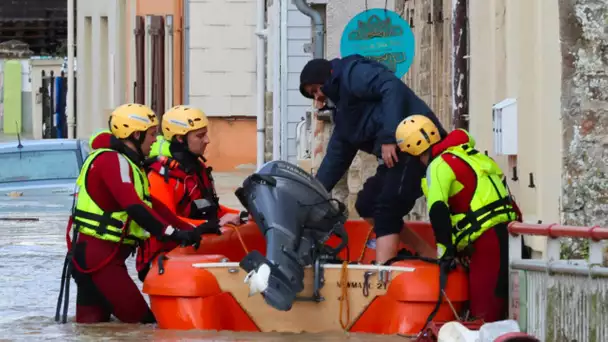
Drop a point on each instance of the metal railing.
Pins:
(555, 299)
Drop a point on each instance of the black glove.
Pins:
(209, 227)
(244, 216)
(186, 237)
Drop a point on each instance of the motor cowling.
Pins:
(297, 216)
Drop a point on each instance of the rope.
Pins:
(238, 234)
(103, 263)
(344, 297)
(369, 233)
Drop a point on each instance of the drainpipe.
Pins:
(70, 96)
(319, 37)
(460, 74)
(318, 51)
(261, 34)
(279, 23)
(186, 54)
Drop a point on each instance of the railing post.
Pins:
(554, 247)
(596, 249)
(515, 253)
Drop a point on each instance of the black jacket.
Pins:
(370, 102)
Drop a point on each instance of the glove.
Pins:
(209, 227)
(186, 237)
(244, 215)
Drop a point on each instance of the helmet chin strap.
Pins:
(184, 144)
(137, 143)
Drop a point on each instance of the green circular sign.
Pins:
(381, 35)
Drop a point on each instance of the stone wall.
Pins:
(429, 76)
(584, 43)
(268, 128)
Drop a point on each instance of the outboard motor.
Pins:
(297, 216)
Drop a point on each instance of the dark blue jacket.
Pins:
(370, 102)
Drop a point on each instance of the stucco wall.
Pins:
(515, 53)
(233, 143)
(584, 110)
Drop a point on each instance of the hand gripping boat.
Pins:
(303, 267)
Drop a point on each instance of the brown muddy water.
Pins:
(31, 260)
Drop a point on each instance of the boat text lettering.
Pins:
(359, 285)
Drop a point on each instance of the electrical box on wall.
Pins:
(504, 127)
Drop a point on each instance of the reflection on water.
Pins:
(31, 259)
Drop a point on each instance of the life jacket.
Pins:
(199, 200)
(491, 203)
(91, 220)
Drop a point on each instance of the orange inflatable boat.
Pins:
(302, 267)
(204, 288)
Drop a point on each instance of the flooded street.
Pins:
(32, 255)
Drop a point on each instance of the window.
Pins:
(39, 166)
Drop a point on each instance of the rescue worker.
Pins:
(368, 102)
(469, 207)
(180, 179)
(112, 215)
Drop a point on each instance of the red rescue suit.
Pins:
(454, 183)
(104, 285)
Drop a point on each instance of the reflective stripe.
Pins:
(91, 220)
(202, 203)
(125, 168)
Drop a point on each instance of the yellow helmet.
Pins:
(180, 120)
(416, 133)
(130, 118)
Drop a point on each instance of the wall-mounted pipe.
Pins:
(317, 20)
(169, 77)
(261, 34)
(276, 32)
(70, 96)
(460, 72)
(186, 54)
(148, 63)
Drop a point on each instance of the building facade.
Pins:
(540, 57)
(169, 52)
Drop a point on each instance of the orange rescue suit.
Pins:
(190, 194)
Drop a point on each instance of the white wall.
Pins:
(222, 57)
(101, 62)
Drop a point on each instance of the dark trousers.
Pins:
(390, 194)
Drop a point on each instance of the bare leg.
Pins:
(386, 247)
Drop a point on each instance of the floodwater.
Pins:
(31, 260)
